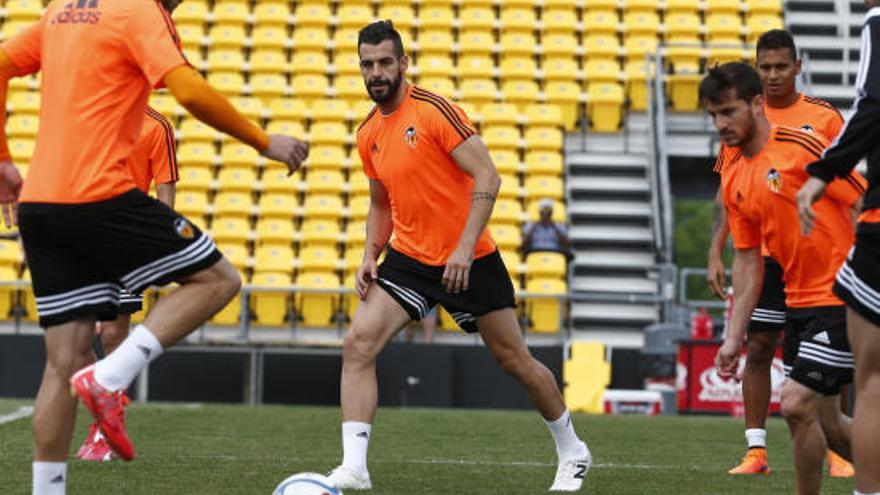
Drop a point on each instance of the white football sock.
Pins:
(355, 440)
(856, 492)
(119, 369)
(50, 478)
(756, 437)
(568, 445)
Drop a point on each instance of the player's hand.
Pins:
(288, 150)
(811, 191)
(716, 277)
(10, 188)
(366, 275)
(458, 269)
(727, 359)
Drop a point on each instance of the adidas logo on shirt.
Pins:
(822, 337)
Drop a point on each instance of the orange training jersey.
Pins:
(760, 195)
(808, 114)
(99, 60)
(154, 157)
(408, 151)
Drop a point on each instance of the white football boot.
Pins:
(570, 473)
(348, 479)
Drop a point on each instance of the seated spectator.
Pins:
(545, 234)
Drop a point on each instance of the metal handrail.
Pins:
(661, 167)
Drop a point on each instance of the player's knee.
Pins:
(357, 348)
(793, 406)
(760, 355)
(64, 362)
(226, 281)
(513, 363)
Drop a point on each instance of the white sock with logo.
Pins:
(756, 438)
(568, 445)
(355, 440)
(50, 478)
(121, 367)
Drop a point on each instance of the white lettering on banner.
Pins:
(713, 388)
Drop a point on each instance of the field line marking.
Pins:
(22, 412)
(605, 465)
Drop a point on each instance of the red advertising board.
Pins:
(701, 390)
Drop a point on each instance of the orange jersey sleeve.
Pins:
(848, 190)
(726, 155)
(155, 47)
(24, 48)
(447, 123)
(363, 146)
(163, 149)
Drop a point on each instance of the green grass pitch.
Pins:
(236, 449)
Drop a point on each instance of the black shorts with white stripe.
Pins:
(82, 255)
(824, 361)
(129, 303)
(417, 287)
(858, 280)
(769, 313)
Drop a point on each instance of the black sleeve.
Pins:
(859, 134)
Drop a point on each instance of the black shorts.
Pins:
(769, 314)
(823, 361)
(129, 303)
(82, 255)
(858, 280)
(417, 287)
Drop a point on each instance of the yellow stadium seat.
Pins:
(475, 67)
(331, 133)
(250, 107)
(543, 138)
(682, 27)
(318, 258)
(314, 308)
(476, 43)
(310, 62)
(10, 254)
(21, 150)
(238, 155)
(601, 46)
(478, 91)
(236, 253)
(544, 162)
(269, 86)
(11, 28)
(277, 205)
(228, 83)
(350, 301)
(561, 21)
(225, 60)
(506, 161)
(197, 179)
(322, 206)
(354, 16)
(723, 28)
(763, 7)
(8, 293)
(599, 5)
(518, 68)
(562, 69)
(164, 104)
(312, 15)
(511, 258)
(287, 109)
(476, 18)
(354, 256)
(276, 180)
(358, 207)
(605, 107)
(435, 42)
(502, 137)
(355, 235)
(230, 229)
(683, 6)
(587, 376)
(322, 159)
(227, 36)
(194, 57)
(230, 204)
(544, 186)
(559, 45)
(23, 126)
(436, 18)
(506, 236)
(520, 93)
(601, 71)
(518, 44)
(191, 204)
(435, 66)
(310, 38)
(270, 14)
(643, 5)
(641, 23)
(637, 75)
(231, 13)
(499, 114)
(309, 87)
(324, 182)
(346, 63)
(543, 115)
(191, 36)
(758, 24)
(230, 315)
(637, 47)
(194, 132)
(358, 182)
(25, 102)
(329, 110)
(566, 96)
(271, 307)
(403, 16)
(543, 264)
(718, 55)
(274, 258)
(236, 179)
(472, 112)
(518, 19)
(274, 231)
(726, 6)
(510, 187)
(507, 210)
(269, 38)
(191, 12)
(545, 313)
(344, 39)
(601, 21)
(319, 233)
(349, 88)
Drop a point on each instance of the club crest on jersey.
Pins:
(807, 128)
(184, 229)
(774, 180)
(410, 137)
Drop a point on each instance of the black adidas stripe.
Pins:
(443, 102)
(802, 144)
(814, 144)
(855, 183)
(367, 119)
(171, 29)
(448, 111)
(170, 143)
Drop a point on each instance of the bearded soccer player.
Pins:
(153, 161)
(778, 66)
(87, 230)
(759, 189)
(858, 281)
(433, 184)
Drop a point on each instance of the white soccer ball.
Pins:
(306, 484)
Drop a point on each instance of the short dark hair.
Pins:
(776, 39)
(379, 31)
(737, 75)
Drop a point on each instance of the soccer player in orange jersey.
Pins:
(778, 66)
(153, 161)
(433, 184)
(86, 228)
(759, 190)
(858, 281)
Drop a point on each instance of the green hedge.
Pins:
(693, 232)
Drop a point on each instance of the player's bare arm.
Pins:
(212, 108)
(165, 193)
(748, 272)
(473, 158)
(379, 228)
(715, 270)
(10, 178)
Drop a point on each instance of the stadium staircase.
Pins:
(827, 32)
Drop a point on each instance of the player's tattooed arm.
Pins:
(482, 196)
